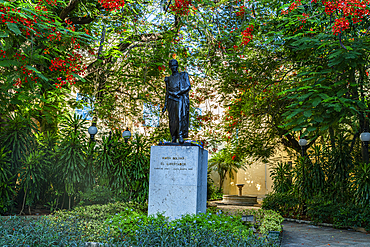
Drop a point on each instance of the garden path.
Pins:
(306, 235)
(296, 234)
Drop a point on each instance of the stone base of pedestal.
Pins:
(239, 200)
(177, 180)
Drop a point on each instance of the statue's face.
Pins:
(173, 67)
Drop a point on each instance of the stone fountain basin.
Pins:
(239, 200)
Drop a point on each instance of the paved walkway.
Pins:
(306, 235)
(295, 234)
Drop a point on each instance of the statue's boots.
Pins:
(174, 139)
(181, 140)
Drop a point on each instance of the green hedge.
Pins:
(320, 209)
(124, 224)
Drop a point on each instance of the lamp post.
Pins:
(126, 134)
(303, 142)
(365, 138)
(92, 131)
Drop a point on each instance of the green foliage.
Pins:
(185, 231)
(271, 222)
(20, 231)
(126, 223)
(361, 183)
(6, 185)
(321, 209)
(225, 162)
(185, 234)
(71, 161)
(282, 177)
(96, 195)
(99, 212)
(214, 193)
(286, 203)
(32, 177)
(125, 167)
(17, 138)
(123, 224)
(91, 218)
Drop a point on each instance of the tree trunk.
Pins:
(222, 179)
(64, 196)
(332, 138)
(24, 201)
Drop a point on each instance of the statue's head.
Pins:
(173, 64)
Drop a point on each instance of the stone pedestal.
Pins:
(178, 180)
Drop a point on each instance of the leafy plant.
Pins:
(286, 203)
(125, 167)
(71, 160)
(225, 162)
(17, 138)
(320, 209)
(282, 177)
(128, 225)
(6, 186)
(361, 183)
(32, 177)
(96, 195)
(271, 222)
(20, 231)
(214, 193)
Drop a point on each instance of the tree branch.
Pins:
(68, 9)
(81, 20)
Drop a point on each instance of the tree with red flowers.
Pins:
(329, 40)
(302, 72)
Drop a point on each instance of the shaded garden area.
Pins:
(266, 74)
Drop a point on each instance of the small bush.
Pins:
(191, 230)
(91, 218)
(271, 222)
(130, 227)
(321, 209)
(97, 195)
(126, 223)
(284, 203)
(184, 234)
(214, 193)
(20, 231)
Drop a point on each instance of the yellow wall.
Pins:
(256, 178)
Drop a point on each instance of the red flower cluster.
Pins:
(28, 74)
(161, 68)
(50, 2)
(241, 11)
(330, 7)
(340, 25)
(70, 66)
(29, 26)
(111, 5)
(304, 18)
(247, 35)
(181, 7)
(10, 15)
(356, 10)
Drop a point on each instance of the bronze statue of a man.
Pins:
(177, 102)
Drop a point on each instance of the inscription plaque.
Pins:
(178, 180)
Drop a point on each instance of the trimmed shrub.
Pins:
(284, 203)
